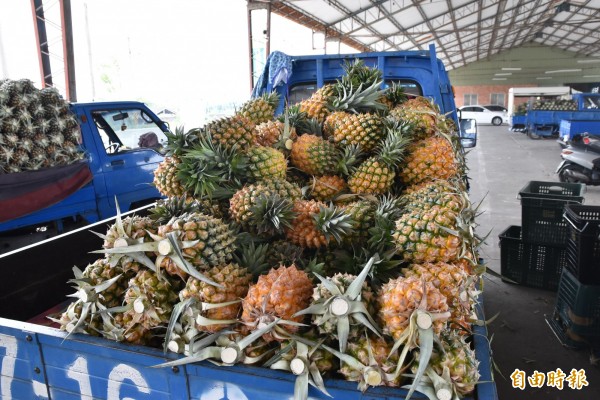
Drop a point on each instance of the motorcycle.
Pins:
(581, 160)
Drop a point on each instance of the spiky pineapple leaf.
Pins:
(333, 222)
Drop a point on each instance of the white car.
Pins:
(482, 115)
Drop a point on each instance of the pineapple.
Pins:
(314, 156)
(270, 132)
(231, 131)
(324, 188)
(210, 169)
(420, 113)
(260, 109)
(376, 174)
(234, 282)
(245, 199)
(277, 295)
(315, 107)
(266, 163)
(372, 363)
(174, 207)
(134, 228)
(430, 159)
(401, 297)
(100, 284)
(150, 301)
(362, 213)
(343, 306)
(366, 130)
(453, 282)
(315, 224)
(459, 360)
(211, 242)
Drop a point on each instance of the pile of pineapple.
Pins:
(334, 241)
(37, 128)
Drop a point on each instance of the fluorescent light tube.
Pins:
(558, 71)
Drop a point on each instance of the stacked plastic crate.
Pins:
(535, 254)
(576, 317)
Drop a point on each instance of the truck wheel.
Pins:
(496, 121)
(533, 135)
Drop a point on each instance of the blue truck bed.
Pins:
(38, 362)
(570, 128)
(547, 123)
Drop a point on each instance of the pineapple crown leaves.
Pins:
(395, 94)
(180, 140)
(333, 222)
(296, 118)
(253, 257)
(340, 306)
(272, 214)
(387, 212)
(303, 366)
(392, 149)
(357, 99)
(350, 157)
(284, 142)
(271, 98)
(357, 73)
(208, 167)
(166, 209)
(313, 127)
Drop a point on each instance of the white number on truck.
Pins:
(8, 365)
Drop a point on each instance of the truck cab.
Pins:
(122, 143)
(420, 73)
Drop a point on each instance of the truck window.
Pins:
(128, 129)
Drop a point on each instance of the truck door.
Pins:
(128, 142)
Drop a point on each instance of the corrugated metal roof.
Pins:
(463, 31)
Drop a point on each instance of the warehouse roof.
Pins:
(463, 31)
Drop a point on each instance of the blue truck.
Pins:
(543, 123)
(40, 361)
(119, 165)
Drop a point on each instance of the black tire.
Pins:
(568, 179)
(496, 121)
(533, 135)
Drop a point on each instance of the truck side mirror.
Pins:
(468, 133)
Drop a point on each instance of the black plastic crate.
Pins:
(578, 306)
(542, 211)
(583, 244)
(528, 264)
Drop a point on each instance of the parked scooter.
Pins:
(581, 160)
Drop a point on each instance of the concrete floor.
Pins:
(500, 166)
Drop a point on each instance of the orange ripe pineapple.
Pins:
(316, 106)
(430, 159)
(316, 224)
(235, 281)
(400, 297)
(325, 188)
(314, 156)
(279, 294)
